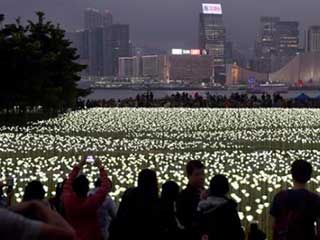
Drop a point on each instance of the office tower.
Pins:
(106, 45)
(117, 44)
(107, 42)
(287, 43)
(288, 38)
(94, 18)
(107, 18)
(314, 39)
(277, 43)
(80, 41)
(266, 43)
(229, 52)
(96, 51)
(212, 37)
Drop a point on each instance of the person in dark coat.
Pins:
(190, 197)
(138, 215)
(169, 223)
(218, 216)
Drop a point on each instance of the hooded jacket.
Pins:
(218, 218)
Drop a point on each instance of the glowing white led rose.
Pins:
(252, 147)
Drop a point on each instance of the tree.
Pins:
(38, 66)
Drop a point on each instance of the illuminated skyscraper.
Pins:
(266, 45)
(287, 43)
(212, 37)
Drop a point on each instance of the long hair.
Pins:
(34, 191)
(170, 191)
(219, 186)
(148, 183)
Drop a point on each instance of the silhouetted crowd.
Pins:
(195, 213)
(186, 100)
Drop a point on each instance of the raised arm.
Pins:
(67, 187)
(96, 200)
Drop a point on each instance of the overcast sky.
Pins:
(170, 23)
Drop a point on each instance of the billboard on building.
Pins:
(195, 52)
(186, 51)
(176, 51)
(212, 8)
(179, 51)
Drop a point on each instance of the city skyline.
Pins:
(152, 28)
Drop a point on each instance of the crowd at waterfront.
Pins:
(186, 100)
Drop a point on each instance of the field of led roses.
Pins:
(253, 147)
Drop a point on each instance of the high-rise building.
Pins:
(117, 44)
(212, 37)
(95, 23)
(288, 42)
(80, 41)
(107, 42)
(277, 43)
(96, 51)
(288, 38)
(229, 52)
(106, 45)
(266, 43)
(94, 18)
(107, 18)
(314, 39)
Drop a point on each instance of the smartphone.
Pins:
(90, 159)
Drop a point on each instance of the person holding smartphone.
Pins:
(81, 209)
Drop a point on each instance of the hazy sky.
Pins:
(170, 23)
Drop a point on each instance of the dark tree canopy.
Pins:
(38, 66)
